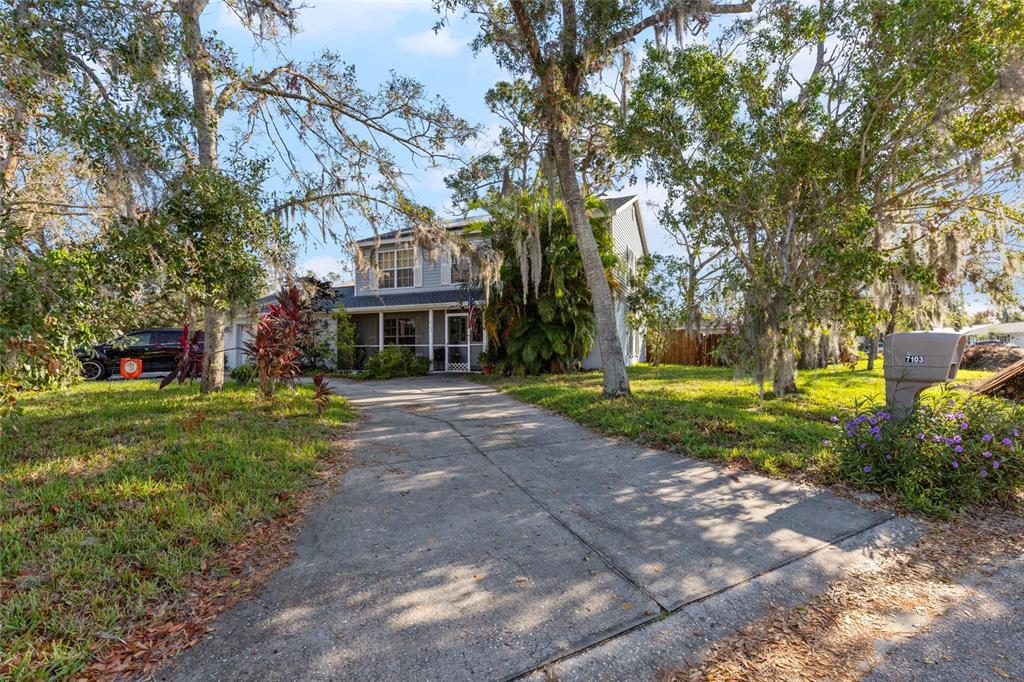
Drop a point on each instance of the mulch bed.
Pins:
(991, 358)
(842, 634)
(240, 570)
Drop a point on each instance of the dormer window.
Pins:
(396, 268)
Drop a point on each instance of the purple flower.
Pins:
(987, 438)
(937, 438)
(885, 415)
(958, 449)
(949, 416)
(1015, 433)
(920, 436)
(964, 425)
(956, 464)
(959, 415)
(996, 464)
(987, 453)
(867, 468)
(983, 473)
(888, 458)
(956, 439)
(834, 419)
(863, 445)
(1007, 442)
(826, 442)
(878, 436)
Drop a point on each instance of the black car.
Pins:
(156, 347)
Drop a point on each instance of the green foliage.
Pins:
(116, 495)
(549, 328)
(859, 180)
(703, 412)
(345, 340)
(393, 362)
(212, 235)
(244, 373)
(653, 305)
(52, 302)
(956, 449)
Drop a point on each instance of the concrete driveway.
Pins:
(481, 538)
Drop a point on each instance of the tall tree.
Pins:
(560, 47)
(88, 128)
(317, 107)
(823, 147)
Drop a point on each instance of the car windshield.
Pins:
(132, 339)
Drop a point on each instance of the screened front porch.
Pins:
(450, 339)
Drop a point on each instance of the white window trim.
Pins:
(394, 249)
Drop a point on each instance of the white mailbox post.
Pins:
(916, 360)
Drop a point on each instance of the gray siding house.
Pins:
(425, 301)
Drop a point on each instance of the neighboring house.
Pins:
(1006, 332)
(426, 301)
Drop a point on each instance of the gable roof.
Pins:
(613, 204)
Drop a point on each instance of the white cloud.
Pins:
(431, 44)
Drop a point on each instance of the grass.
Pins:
(112, 495)
(704, 412)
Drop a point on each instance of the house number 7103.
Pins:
(914, 359)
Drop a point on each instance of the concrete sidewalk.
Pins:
(480, 538)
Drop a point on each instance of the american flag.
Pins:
(471, 319)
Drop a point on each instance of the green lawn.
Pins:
(703, 412)
(112, 495)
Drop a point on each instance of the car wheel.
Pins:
(93, 370)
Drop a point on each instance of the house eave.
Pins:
(408, 307)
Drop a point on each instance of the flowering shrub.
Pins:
(953, 450)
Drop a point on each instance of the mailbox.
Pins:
(916, 360)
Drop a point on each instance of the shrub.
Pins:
(345, 339)
(244, 373)
(954, 450)
(188, 361)
(539, 315)
(395, 361)
(274, 349)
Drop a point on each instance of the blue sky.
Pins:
(384, 36)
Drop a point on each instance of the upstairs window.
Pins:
(395, 268)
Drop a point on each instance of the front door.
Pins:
(457, 343)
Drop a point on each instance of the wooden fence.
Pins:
(693, 348)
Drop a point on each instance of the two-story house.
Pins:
(427, 302)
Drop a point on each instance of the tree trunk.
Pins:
(206, 121)
(13, 142)
(784, 379)
(872, 349)
(616, 382)
(200, 70)
(213, 338)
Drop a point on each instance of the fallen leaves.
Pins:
(843, 633)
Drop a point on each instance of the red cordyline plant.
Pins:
(322, 393)
(188, 363)
(274, 348)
